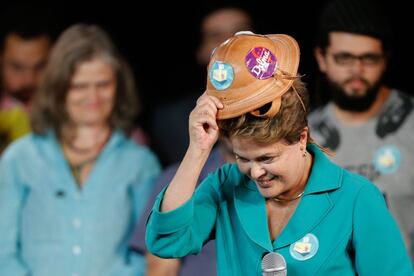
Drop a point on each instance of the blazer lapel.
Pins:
(310, 212)
(251, 210)
(316, 203)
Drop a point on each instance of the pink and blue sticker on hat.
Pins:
(261, 63)
(221, 75)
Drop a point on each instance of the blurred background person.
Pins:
(169, 129)
(168, 125)
(14, 123)
(27, 33)
(366, 123)
(25, 40)
(71, 191)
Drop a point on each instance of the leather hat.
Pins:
(249, 70)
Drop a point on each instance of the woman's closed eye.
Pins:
(262, 159)
(241, 159)
(266, 159)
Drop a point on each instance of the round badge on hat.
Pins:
(221, 75)
(387, 159)
(261, 63)
(305, 248)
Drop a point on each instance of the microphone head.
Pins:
(273, 264)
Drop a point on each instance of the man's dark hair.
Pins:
(28, 21)
(366, 17)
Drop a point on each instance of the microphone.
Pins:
(273, 264)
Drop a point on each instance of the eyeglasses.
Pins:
(346, 59)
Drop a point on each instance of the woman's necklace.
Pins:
(78, 169)
(82, 159)
(277, 199)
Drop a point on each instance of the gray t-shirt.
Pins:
(381, 149)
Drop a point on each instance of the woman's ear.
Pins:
(304, 136)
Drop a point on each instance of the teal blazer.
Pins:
(340, 227)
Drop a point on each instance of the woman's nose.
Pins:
(256, 171)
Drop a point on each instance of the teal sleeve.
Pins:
(184, 230)
(378, 244)
(11, 197)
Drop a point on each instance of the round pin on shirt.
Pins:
(305, 248)
(387, 159)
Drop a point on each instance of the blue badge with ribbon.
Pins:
(387, 159)
(305, 248)
(221, 75)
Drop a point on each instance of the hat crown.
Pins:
(248, 70)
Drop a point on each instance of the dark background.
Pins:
(159, 38)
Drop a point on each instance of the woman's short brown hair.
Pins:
(77, 44)
(287, 125)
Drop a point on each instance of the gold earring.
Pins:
(305, 153)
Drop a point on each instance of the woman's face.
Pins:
(91, 96)
(278, 169)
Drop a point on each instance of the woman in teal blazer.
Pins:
(283, 195)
